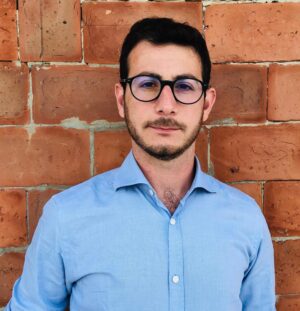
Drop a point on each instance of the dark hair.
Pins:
(162, 31)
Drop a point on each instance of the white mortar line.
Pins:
(259, 63)
(210, 165)
(38, 187)
(116, 65)
(30, 99)
(93, 65)
(217, 2)
(284, 239)
(18, 34)
(27, 214)
(92, 152)
(4, 250)
(267, 123)
(81, 33)
(103, 125)
(262, 192)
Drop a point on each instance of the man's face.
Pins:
(163, 128)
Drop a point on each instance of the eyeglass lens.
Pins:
(147, 88)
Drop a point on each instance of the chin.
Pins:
(164, 153)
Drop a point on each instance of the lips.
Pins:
(164, 128)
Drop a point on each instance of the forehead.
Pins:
(168, 60)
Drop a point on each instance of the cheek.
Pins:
(195, 116)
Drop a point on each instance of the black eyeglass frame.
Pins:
(163, 83)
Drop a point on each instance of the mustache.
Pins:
(165, 123)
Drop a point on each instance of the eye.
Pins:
(144, 82)
(184, 86)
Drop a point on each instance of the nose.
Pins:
(166, 103)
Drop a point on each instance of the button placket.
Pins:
(176, 277)
(173, 221)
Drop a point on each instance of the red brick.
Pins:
(111, 148)
(256, 153)
(253, 32)
(11, 265)
(241, 94)
(107, 23)
(288, 303)
(14, 89)
(37, 200)
(8, 4)
(287, 258)
(252, 189)
(284, 92)
(74, 91)
(13, 229)
(50, 30)
(8, 31)
(282, 207)
(52, 155)
(202, 147)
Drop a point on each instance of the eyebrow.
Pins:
(158, 76)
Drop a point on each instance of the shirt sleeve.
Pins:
(258, 287)
(42, 283)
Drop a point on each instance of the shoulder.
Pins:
(90, 194)
(228, 192)
(233, 200)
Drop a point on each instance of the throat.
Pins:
(170, 200)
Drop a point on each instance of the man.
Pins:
(156, 234)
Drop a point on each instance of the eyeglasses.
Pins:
(147, 88)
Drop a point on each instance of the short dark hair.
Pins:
(163, 31)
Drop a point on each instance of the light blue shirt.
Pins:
(109, 244)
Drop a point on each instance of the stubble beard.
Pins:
(160, 152)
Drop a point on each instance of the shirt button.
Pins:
(172, 221)
(151, 192)
(175, 279)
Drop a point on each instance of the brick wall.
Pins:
(59, 124)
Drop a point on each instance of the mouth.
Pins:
(164, 128)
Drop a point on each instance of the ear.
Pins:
(209, 101)
(119, 93)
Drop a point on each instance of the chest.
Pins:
(126, 260)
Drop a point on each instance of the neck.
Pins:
(170, 179)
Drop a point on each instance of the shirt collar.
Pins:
(129, 174)
(202, 180)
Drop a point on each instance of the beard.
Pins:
(162, 152)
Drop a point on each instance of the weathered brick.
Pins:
(253, 32)
(10, 269)
(36, 201)
(111, 148)
(241, 94)
(50, 30)
(13, 229)
(202, 148)
(256, 153)
(74, 91)
(8, 4)
(282, 207)
(106, 24)
(51, 155)
(8, 31)
(288, 303)
(284, 92)
(252, 189)
(14, 89)
(287, 256)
